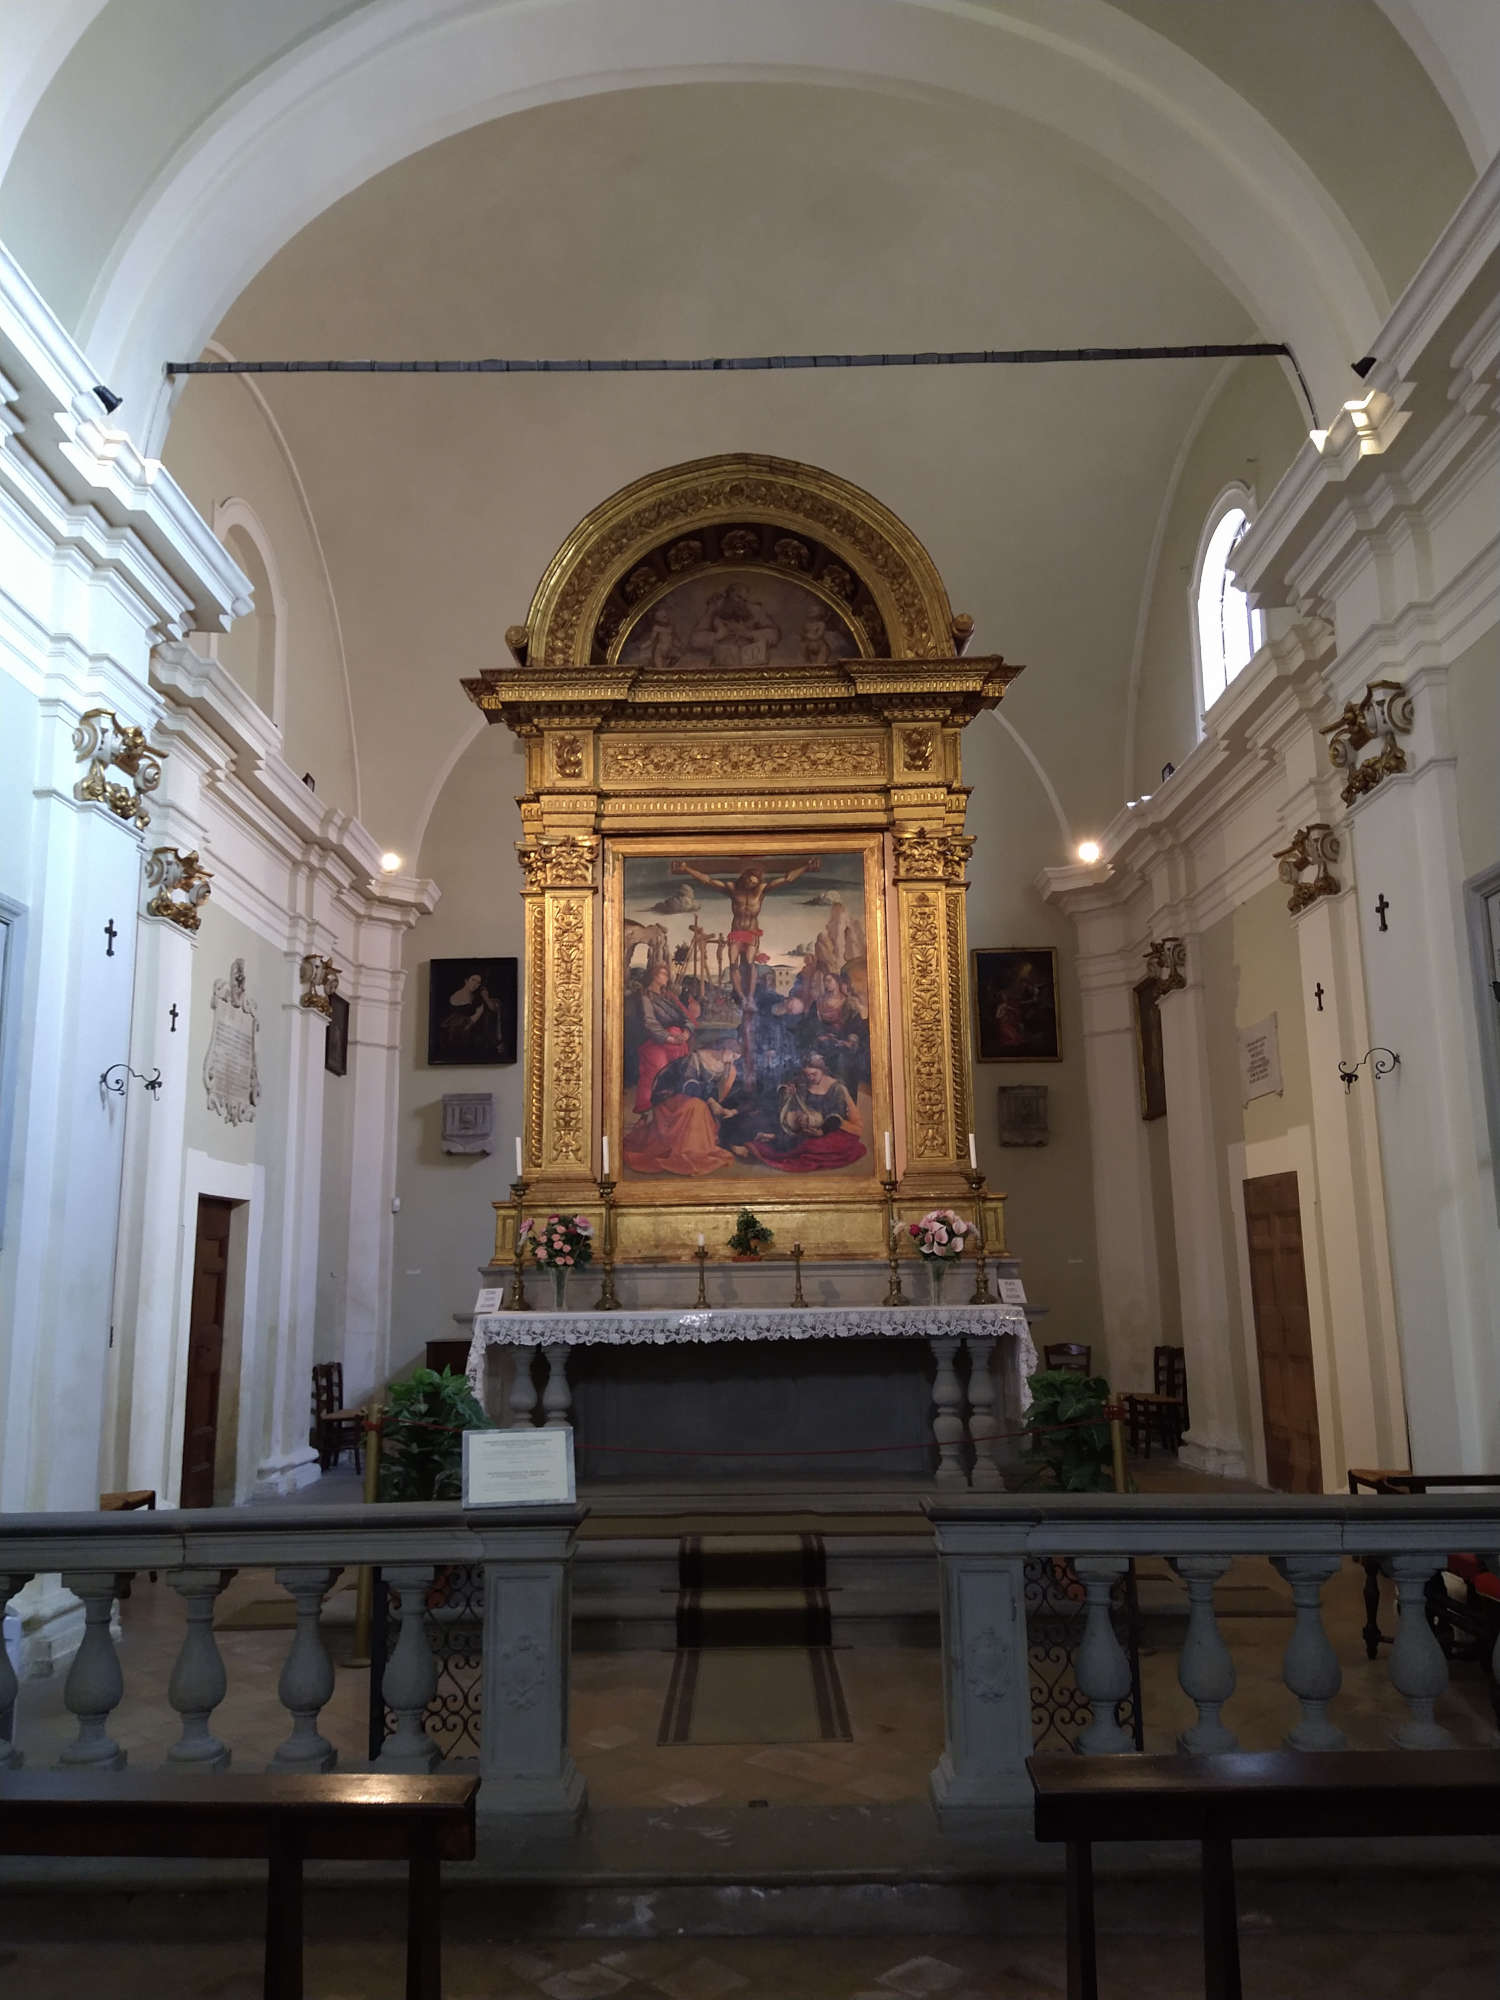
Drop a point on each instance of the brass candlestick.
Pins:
(797, 1298)
(981, 1294)
(701, 1253)
(518, 1299)
(608, 1298)
(894, 1295)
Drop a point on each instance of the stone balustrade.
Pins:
(983, 1542)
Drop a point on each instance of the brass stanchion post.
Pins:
(1117, 1447)
(364, 1597)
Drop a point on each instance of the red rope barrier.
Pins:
(778, 1451)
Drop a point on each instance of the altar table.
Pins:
(997, 1338)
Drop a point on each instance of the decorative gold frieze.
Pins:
(558, 861)
(320, 981)
(181, 886)
(1313, 847)
(655, 760)
(1384, 714)
(105, 743)
(1166, 963)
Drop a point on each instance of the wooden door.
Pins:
(1283, 1334)
(205, 1350)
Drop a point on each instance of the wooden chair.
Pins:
(1247, 1795)
(334, 1429)
(1067, 1354)
(1164, 1413)
(282, 1820)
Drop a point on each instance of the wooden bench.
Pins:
(1272, 1795)
(422, 1821)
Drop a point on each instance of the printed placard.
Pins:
(489, 1300)
(1011, 1290)
(520, 1468)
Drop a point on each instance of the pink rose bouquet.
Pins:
(940, 1234)
(560, 1242)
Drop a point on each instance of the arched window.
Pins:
(1226, 632)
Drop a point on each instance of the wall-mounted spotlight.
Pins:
(119, 1072)
(108, 398)
(1088, 852)
(390, 863)
(1363, 366)
(1381, 1061)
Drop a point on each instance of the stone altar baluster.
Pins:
(198, 1680)
(95, 1684)
(1205, 1672)
(557, 1397)
(983, 1423)
(307, 1678)
(1419, 1673)
(522, 1389)
(410, 1679)
(947, 1422)
(11, 1582)
(1311, 1666)
(1101, 1669)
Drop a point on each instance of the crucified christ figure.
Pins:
(747, 893)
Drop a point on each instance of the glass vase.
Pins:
(937, 1272)
(559, 1287)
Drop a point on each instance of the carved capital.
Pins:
(320, 981)
(181, 886)
(1314, 847)
(564, 861)
(932, 857)
(1384, 714)
(105, 743)
(1166, 963)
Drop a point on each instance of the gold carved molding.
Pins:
(1385, 713)
(926, 992)
(654, 760)
(320, 981)
(932, 857)
(558, 861)
(1314, 847)
(105, 743)
(181, 886)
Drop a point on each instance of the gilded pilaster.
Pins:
(561, 899)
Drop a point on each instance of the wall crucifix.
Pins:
(1381, 906)
(110, 934)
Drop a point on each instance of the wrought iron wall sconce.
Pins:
(153, 1082)
(1381, 1061)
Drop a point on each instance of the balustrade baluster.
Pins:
(557, 1397)
(1311, 1666)
(947, 1423)
(95, 1684)
(982, 1420)
(198, 1681)
(522, 1398)
(410, 1679)
(1101, 1668)
(11, 1582)
(1419, 1673)
(1205, 1673)
(307, 1678)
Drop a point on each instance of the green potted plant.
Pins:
(421, 1435)
(1076, 1460)
(750, 1235)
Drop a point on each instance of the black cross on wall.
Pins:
(1318, 995)
(110, 934)
(1381, 906)
(172, 1010)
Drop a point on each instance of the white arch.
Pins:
(390, 79)
(39, 37)
(237, 513)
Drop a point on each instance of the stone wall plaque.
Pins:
(469, 1122)
(1023, 1114)
(230, 1074)
(1260, 1061)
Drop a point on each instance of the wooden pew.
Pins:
(422, 1821)
(1247, 1795)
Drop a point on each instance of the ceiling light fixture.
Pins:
(390, 863)
(1088, 852)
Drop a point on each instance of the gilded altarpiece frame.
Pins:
(745, 662)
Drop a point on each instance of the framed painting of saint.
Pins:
(471, 1012)
(1015, 1005)
(746, 1028)
(336, 1036)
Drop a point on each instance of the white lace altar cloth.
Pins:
(671, 1327)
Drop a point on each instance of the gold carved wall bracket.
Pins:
(1385, 712)
(106, 744)
(1314, 847)
(181, 887)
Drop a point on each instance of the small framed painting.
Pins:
(1150, 1064)
(336, 1036)
(1015, 1004)
(471, 1012)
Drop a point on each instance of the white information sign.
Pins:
(1260, 1060)
(520, 1468)
(1012, 1291)
(489, 1300)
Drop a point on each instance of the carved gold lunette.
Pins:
(1385, 712)
(181, 885)
(1315, 847)
(105, 743)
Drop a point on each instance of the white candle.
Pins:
(518, 1157)
(606, 1156)
(700, 1239)
(973, 1162)
(888, 1155)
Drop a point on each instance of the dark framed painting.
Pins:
(471, 1012)
(1150, 1061)
(1015, 1004)
(336, 1036)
